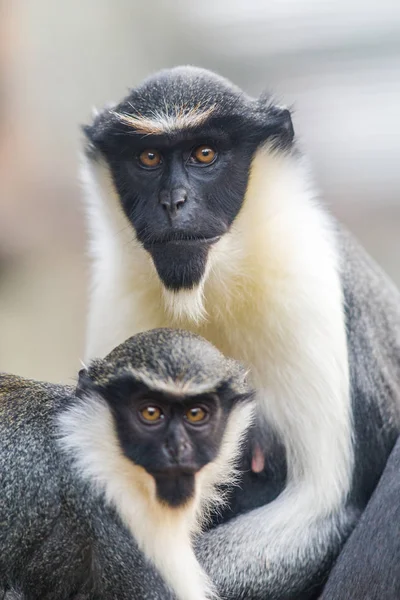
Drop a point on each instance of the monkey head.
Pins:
(179, 149)
(173, 398)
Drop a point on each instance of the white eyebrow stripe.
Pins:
(160, 123)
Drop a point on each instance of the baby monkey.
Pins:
(103, 486)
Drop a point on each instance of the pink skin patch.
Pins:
(257, 463)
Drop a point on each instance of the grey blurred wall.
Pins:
(337, 63)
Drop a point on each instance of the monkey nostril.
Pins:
(178, 198)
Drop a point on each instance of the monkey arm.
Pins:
(368, 568)
(248, 560)
(250, 556)
(119, 570)
(248, 553)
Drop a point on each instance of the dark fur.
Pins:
(369, 566)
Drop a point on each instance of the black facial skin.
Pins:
(180, 208)
(210, 195)
(172, 449)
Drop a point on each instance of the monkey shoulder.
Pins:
(28, 403)
(372, 312)
(372, 301)
(28, 410)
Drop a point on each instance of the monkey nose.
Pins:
(177, 451)
(173, 200)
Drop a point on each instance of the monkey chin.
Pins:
(181, 264)
(175, 491)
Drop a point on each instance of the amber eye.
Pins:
(151, 414)
(196, 414)
(204, 155)
(150, 158)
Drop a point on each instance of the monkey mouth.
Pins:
(182, 241)
(175, 471)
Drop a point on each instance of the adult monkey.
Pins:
(201, 215)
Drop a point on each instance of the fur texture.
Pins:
(271, 298)
(368, 567)
(285, 290)
(59, 539)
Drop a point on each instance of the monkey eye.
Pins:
(196, 414)
(150, 158)
(203, 155)
(151, 414)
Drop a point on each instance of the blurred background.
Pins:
(336, 62)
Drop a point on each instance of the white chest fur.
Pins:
(271, 298)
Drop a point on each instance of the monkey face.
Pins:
(171, 437)
(179, 149)
(181, 195)
(168, 402)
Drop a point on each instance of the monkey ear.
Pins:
(90, 148)
(83, 379)
(277, 122)
(87, 130)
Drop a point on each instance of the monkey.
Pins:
(368, 566)
(105, 485)
(202, 214)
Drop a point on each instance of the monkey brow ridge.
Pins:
(164, 122)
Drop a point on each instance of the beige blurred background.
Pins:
(337, 62)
